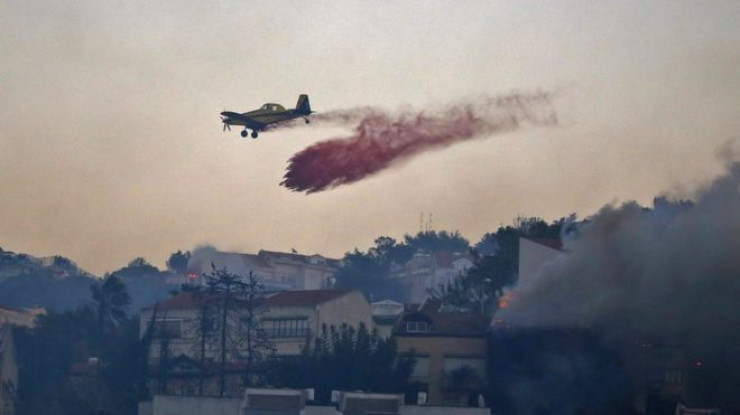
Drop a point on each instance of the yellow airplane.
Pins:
(269, 114)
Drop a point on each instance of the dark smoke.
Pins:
(673, 268)
(663, 277)
(382, 139)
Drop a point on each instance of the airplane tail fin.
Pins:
(303, 106)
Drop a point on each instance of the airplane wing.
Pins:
(248, 121)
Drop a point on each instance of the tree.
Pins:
(111, 303)
(202, 327)
(237, 325)
(387, 250)
(496, 265)
(505, 241)
(345, 358)
(178, 261)
(138, 267)
(369, 274)
(255, 339)
(433, 241)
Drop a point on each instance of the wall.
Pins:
(351, 308)
(532, 258)
(186, 405)
(291, 345)
(181, 405)
(436, 348)
(8, 370)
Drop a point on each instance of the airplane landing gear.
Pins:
(307, 120)
(244, 133)
(254, 134)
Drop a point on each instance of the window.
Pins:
(421, 368)
(674, 376)
(417, 327)
(168, 329)
(296, 327)
(475, 364)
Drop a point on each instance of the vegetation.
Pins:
(496, 266)
(236, 326)
(83, 360)
(345, 359)
(370, 272)
(86, 354)
(178, 262)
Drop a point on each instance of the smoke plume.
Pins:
(671, 272)
(382, 139)
(660, 284)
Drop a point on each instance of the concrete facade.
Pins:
(8, 371)
(10, 317)
(190, 405)
(427, 271)
(290, 320)
(451, 350)
(275, 270)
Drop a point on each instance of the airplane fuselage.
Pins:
(264, 117)
(267, 115)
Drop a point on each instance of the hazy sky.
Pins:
(111, 144)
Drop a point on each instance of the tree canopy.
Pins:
(496, 265)
(345, 358)
(178, 261)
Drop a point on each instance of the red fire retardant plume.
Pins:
(381, 139)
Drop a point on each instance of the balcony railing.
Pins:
(282, 333)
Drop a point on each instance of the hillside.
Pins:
(55, 283)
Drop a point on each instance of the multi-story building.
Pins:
(8, 371)
(429, 271)
(451, 351)
(275, 270)
(8, 364)
(289, 320)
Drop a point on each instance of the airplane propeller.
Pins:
(226, 125)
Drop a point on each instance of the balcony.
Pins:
(287, 333)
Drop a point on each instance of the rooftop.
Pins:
(447, 323)
(304, 298)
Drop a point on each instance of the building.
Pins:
(293, 319)
(275, 270)
(385, 316)
(294, 402)
(534, 256)
(10, 317)
(428, 271)
(8, 371)
(181, 356)
(451, 351)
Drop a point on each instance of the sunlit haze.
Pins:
(111, 145)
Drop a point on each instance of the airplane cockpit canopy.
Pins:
(273, 107)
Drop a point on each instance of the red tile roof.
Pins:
(305, 298)
(185, 301)
(449, 323)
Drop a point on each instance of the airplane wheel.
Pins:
(244, 133)
(254, 134)
(307, 121)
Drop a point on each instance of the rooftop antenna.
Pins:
(421, 222)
